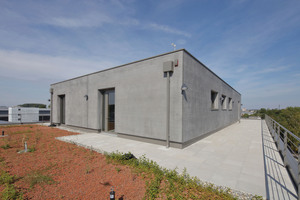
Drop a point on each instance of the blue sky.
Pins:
(253, 45)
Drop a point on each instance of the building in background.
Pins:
(24, 115)
(3, 113)
(170, 99)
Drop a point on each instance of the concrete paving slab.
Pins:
(242, 156)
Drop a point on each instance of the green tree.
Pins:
(245, 115)
(289, 118)
(33, 105)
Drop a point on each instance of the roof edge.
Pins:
(120, 66)
(149, 59)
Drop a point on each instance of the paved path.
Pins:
(242, 156)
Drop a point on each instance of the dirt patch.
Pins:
(58, 170)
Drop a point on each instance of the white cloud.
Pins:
(268, 70)
(26, 66)
(168, 29)
(90, 20)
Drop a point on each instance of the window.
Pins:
(3, 112)
(214, 100)
(44, 112)
(223, 102)
(230, 103)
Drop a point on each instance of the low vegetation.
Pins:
(38, 178)
(7, 181)
(53, 169)
(162, 183)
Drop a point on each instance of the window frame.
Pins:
(214, 100)
(230, 103)
(223, 102)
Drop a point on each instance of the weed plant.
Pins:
(88, 169)
(6, 146)
(10, 191)
(118, 169)
(31, 149)
(37, 177)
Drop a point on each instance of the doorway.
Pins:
(108, 122)
(62, 109)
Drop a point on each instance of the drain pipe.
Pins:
(168, 110)
(168, 68)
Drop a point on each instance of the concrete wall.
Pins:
(198, 117)
(140, 98)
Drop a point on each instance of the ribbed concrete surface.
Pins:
(242, 156)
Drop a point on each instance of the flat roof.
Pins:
(184, 50)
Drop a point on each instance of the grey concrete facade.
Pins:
(140, 100)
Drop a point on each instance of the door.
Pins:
(62, 109)
(109, 110)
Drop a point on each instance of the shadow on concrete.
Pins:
(276, 187)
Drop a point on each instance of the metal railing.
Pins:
(288, 145)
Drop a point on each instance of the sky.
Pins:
(253, 45)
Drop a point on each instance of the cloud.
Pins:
(268, 70)
(26, 66)
(90, 20)
(168, 29)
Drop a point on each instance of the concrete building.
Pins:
(170, 99)
(23, 115)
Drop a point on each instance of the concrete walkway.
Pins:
(242, 156)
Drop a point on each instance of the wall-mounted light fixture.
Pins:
(86, 97)
(184, 87)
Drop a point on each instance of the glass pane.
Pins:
(111, 110)
(111, 98)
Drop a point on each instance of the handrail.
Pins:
(295, 136)
(291, 154)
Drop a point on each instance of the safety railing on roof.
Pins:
(288, 145)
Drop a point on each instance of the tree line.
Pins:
(33, 105)
(288, 117)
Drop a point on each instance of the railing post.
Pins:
(271, 126)
(278, 137)
(298, 171)
(285, 149)
(274, 132)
